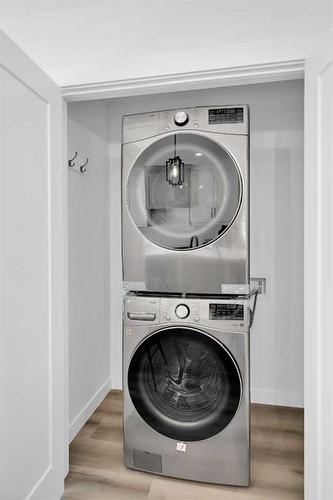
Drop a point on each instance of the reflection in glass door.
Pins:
(184, 191)
(184, 384)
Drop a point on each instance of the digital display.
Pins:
(226, 311)
(220, 116)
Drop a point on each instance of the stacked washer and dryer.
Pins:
(185, 227)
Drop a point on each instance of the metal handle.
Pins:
(138, 316)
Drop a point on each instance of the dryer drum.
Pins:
(184, 384)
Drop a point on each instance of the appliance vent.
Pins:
(148, 461)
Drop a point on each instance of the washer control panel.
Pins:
(220, 314)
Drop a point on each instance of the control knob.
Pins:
(181, 118)
(182, 311)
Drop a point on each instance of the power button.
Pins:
(181, 118)
(182, 311)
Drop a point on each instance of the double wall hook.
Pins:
(78, 168)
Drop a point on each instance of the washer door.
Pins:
(184, 191)
(184, 384)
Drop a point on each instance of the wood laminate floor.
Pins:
(97, 471)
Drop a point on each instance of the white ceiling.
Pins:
(85, 41)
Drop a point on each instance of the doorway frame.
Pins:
(195, 80)
(226, 77)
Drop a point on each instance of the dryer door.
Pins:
(184, 384)
(184, 191)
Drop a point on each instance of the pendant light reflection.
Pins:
(175, 167)
(175, 171)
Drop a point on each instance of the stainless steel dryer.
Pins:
(185, 200)
(186, 387)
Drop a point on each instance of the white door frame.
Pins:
(242, 75)
(238, 75)
(33, 280)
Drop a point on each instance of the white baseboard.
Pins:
(76, 425)
(116, 382)
(279, 398)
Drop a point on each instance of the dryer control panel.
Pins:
(220, 119)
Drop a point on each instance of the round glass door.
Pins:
(184, 191)
(184, 384)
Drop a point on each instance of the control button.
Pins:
(167, 128)
(181, 118)
(196, 319)
(168, 317)
(195, 125)
(182, 311)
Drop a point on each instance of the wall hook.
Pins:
(83, 167)
(71, 162)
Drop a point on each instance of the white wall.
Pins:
(276, 116)
(89, 263)
(103, 40)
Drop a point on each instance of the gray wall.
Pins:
(89, 262)
(276, 117)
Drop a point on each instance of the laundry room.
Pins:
(273, 147)
(166, 249)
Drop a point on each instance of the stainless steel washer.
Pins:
(186, 387)
(185, 200)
